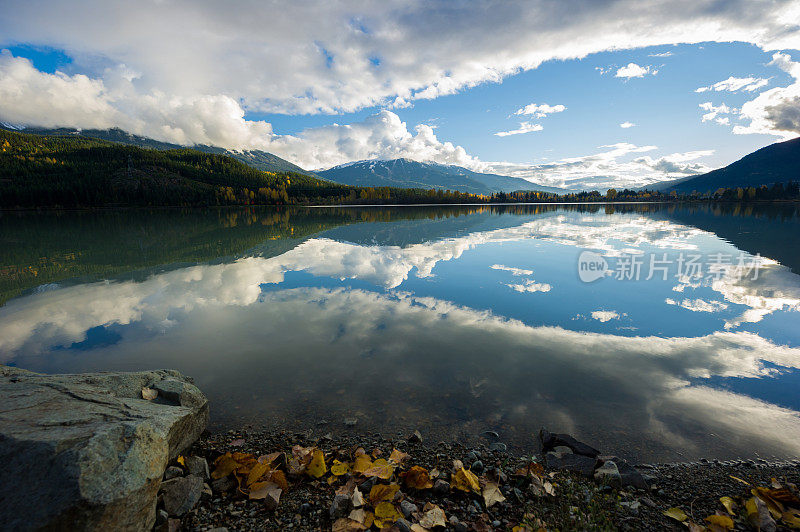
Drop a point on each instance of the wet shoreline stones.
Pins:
(611, 494)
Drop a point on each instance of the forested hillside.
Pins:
(50, 171)
(258, 159)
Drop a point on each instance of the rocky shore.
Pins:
(117, 451)
(88, 451)
(567, 486)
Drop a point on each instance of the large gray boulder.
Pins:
(86, 451)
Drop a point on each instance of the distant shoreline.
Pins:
(360, 205)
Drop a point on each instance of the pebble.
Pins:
(403, 525)
(441, 487)
(477, 467)
(173, 472)
(182, 494)
(498, 447)
(197, 465)
(408, 508)
(340, 507)
(415, 437)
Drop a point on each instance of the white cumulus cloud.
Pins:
(733, 84)
(632, 70)
(540, 110)
(524, 127)
(775, 111)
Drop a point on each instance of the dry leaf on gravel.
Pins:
(492, 494)
(676, 514)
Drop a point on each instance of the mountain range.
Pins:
(779, 162)
(776, 163)
(405, 173)
(258, 159)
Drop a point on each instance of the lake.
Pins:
(659, 332)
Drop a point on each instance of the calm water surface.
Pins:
(451, 320)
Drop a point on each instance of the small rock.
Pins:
(182, 494)
(207, 493)
(491, 434)
(416, 437)
(498, 447)
(496, 523)
(477, 467)
(577, 463)
(441, 487)
(162, 517)
(609, 474)
(197, 465)
(272, 499)
(173, 472)
(351, 422)
(549, 441)
(403, 525)
(629, 476)
(632, 506)
(648, 502)
(341, 506)
(408, 508)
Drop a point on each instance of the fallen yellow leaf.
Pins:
(432, 516)
(225, 465)
(791, 518)
(491, 494)
(362, 463)
(758, 514)
(466, 480)
(316, 468)
(417, 478)
(739, 480)
(775, 508)
(260, 490)
(381, 469)
(339, 468)
(279, 478)
(720, 521)
(257, 472)
(385, 514)
(677, 514)
(398, 457)
(382, 492)
(729, 504)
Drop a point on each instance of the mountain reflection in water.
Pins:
(450, 320)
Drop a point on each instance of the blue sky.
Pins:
(429, 81)
(664, 107)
